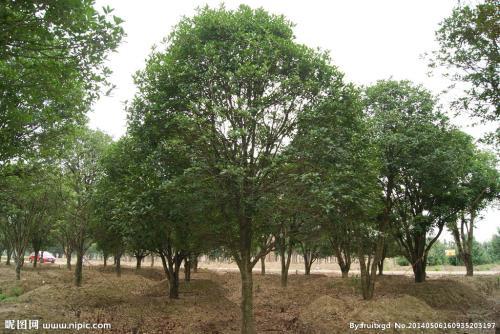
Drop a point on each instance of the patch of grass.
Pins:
(11, 294)
(484, 267)
(16, 291)
(353, 282)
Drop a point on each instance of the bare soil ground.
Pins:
(138, 301)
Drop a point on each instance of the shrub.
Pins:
(402, 261)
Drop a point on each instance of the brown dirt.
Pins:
(138, 301)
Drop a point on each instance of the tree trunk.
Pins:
(344, 262)
(367, 281)
(152, 260)
(470, 238)
(380, 263)
(463, 240)
(174, 264)
(138, 262)
(263, 265)
(118, 265)
(9, 256)
(369, 269)
(195, 264)
(307, 267)
(419, 271)
(79, 267)
(248, 326)
(171, 262)
(35, 258)
(187, 269)
(105, 256)
(19, 265)
(245, 265)
(68, 261)
(309, 258)
(164, 265)
(174, 286)
(467, 258)
(380, 266)
(285, 263)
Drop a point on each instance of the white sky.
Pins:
(368, 40)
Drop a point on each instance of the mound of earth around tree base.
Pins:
(333, 315)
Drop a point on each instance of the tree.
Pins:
(478, 188)
(144, 200)
(340, 164)
(82, 171)
(64, 235)
(495, 247)
(43, 231)
(235, 81)
(313, 247)
(391, 250)
(52, 66)
(423, 160)
(28, 197)
(437, 254)
(468, 49)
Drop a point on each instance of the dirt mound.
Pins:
(456, 294)
(334, 315)
(447, 295)
(487, 285)
(400, 309)
(326, 314)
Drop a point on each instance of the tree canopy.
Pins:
(52, 67)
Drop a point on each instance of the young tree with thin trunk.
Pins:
(479, 187)
(28, 197)
(339, 165)
(311, 252)
(82, 172)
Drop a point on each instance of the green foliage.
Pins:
(229, 86)
(480, 254)
(402, 261)
(436, 255)
(468, 49)
(494, 248)
(423, 160)
(29, 200)
(16, 291)
(81, 173)
(52, 56)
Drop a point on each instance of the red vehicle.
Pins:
(47, 257)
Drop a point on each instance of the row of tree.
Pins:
(487, 252)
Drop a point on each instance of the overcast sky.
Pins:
(368, 40)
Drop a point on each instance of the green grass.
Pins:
(16, 291)
(484, 267)
(436, 268)
(11, 294)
